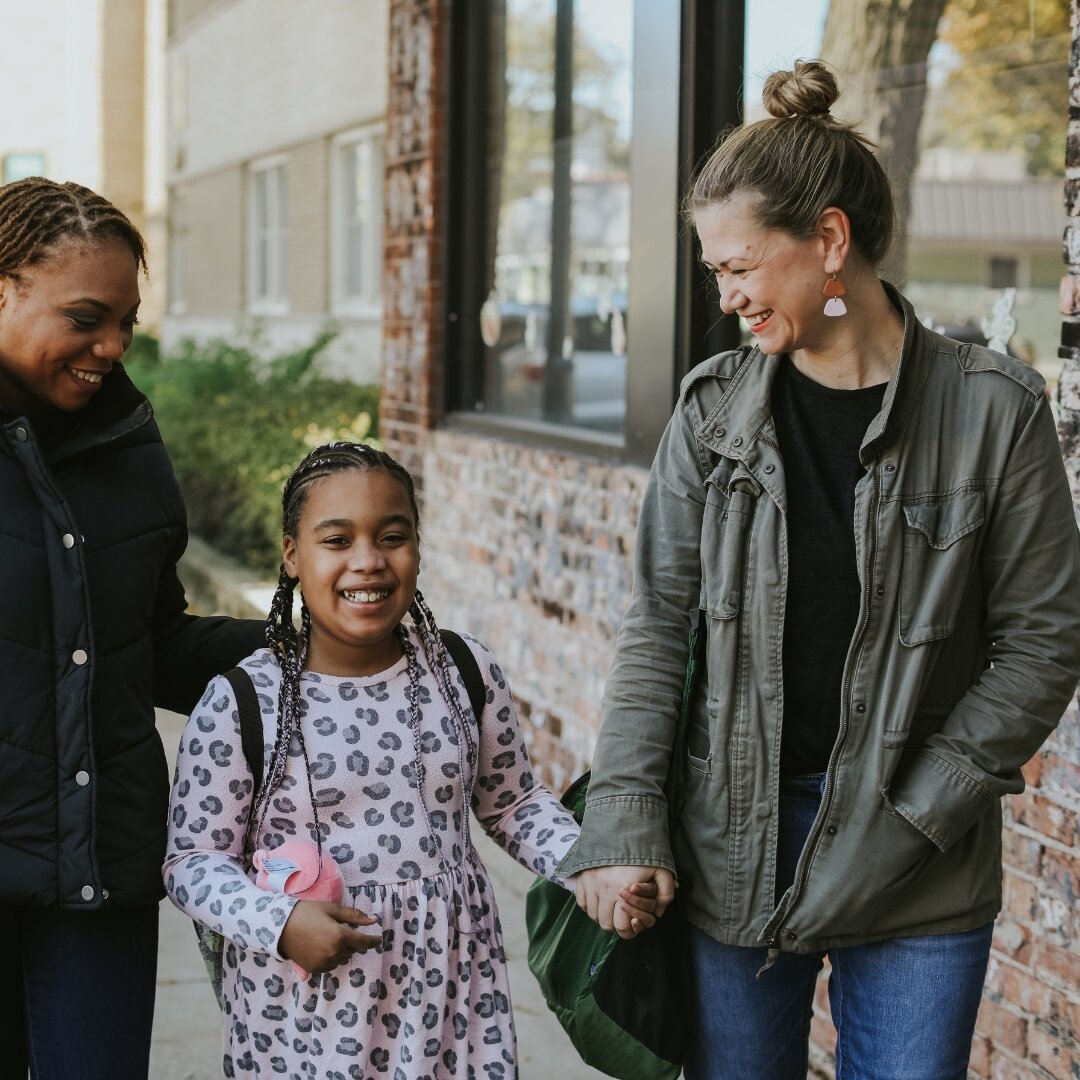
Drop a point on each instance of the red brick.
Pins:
(1023, 853)
(980, 1056)
(1059, 965)
(1012, 939)
(1046, 817)
(1004, 1027)
(1057, 1056)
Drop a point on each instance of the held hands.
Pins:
(626, 899)
(319, 937)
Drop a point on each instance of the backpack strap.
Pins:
(251, 728)
(466, 663)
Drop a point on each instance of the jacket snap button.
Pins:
(770, 468)
(737, 441)
(860, 707)
(68, 540)
(82, 778)
(79, 656)
(880, 590)
(20, 434)
(87, 892)
(104, 894)
(720, 432)
(831, 830)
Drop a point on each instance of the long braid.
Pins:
(37, 214)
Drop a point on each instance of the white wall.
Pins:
(50, 83)
(258, 75)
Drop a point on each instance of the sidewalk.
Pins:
(187, 1025)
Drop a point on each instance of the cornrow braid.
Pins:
(37, 214)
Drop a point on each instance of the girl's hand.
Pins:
(636, 908)
(320, 937)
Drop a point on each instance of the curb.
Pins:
(216, 584)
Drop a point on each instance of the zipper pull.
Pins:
(771, 959)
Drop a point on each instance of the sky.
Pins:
(778, 32)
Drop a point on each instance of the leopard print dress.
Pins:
(433, 1001)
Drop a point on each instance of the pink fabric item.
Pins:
(296, 869)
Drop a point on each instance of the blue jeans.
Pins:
(77, 993)
(904, 1009)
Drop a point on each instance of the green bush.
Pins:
(236, 426)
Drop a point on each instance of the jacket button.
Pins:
(880, 590)
(831, 830)
(737, 441)
(82, 778)
(890, 466)
(104, 894)
(79, 656)
(720, 432)
(87, 892)
(770, 468)
(860, 707)
(20, 434)
(68, 540)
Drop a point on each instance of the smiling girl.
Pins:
(93, 634)
(375, 757)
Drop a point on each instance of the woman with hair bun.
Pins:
(875, 526)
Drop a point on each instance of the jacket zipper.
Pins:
(803, 869)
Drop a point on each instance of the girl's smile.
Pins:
(356, 557)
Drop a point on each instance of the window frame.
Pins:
(368, 302)
(670, 314)
(273, 302)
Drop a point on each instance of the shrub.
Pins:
(235, 426)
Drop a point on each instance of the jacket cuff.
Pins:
(938, 798)
(621, 830)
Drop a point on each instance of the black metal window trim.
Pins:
(687, 83)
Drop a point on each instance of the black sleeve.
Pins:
(189, 650)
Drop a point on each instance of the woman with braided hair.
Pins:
(93, 634)
(374, 756)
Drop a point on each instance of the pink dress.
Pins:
(434, 1001)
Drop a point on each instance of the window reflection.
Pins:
(555, 318)
(982, 179)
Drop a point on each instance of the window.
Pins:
(268, 239)
(176, 281)
(356, 222)
(20, 165)
(1003, 272)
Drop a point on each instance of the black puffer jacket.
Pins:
(93, 634)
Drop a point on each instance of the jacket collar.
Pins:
(118, 409)
(745, 411)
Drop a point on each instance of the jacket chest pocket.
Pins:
(941, 535)
(729, 515)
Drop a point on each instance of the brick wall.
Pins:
(412, 265)
(530, 549)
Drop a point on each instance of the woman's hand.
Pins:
(607, 894)
(320, 936)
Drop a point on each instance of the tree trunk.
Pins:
(879, 49)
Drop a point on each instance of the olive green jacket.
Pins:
(965, 654)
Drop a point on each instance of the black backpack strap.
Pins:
(466, 663)
(251, 727)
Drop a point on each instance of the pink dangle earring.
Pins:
(834, 290)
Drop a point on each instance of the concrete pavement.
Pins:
(187, 1024)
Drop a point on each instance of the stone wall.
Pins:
(530, 549)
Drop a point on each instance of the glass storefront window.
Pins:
(980, 173)
(554, 321)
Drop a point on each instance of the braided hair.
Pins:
(290, 646)
(37, 215)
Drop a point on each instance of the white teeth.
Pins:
(757, 320)
(359, 596)
(87, 376)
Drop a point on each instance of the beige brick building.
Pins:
(83, 87)
(274, 154)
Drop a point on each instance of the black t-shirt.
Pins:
(820, 431)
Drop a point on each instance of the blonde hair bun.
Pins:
(809, 89)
